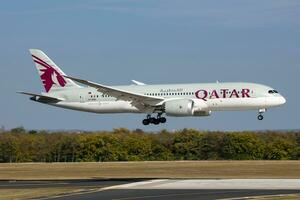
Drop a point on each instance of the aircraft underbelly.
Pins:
(100, 107)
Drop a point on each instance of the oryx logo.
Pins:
(49, 75)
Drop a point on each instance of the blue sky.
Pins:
(153, 41)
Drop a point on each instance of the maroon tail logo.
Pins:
(47, 74)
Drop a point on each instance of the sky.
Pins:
(152, 41)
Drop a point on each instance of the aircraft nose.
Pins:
(275, 101)
(282, 100)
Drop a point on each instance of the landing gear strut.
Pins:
(260, 112)
(152, 120)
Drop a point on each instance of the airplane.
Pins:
(177, 100)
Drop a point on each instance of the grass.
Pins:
(156, 169)
(41, 193)
(15, 194)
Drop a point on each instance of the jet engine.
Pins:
(186, 107)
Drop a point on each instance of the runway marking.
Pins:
(121, 186)
(263, 196)
(148, 183)
(89, 191)
(80, 191)
(270, 184)
(178, 184)
(175, 194)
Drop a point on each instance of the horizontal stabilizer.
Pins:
(40, 97)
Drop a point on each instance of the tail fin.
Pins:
(51, 75)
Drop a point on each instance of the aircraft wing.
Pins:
(119, 94)
(42, 98)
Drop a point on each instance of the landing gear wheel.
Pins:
(155, 121)
(260, 117)
(162, 120)
(152, 120)
(146, 122)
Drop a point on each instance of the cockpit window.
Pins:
(273, 91)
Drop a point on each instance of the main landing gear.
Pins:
(260, 114)
(152, 120)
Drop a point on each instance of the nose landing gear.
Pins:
(260, 117)
(152, 120)
(260, 114)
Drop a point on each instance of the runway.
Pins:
(206, 189)
(101, 183)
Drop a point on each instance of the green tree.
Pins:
(242, 146)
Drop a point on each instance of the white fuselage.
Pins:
(215, 96)
(179, 100)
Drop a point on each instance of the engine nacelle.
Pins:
(202, 113)
(199, 105)
(179, 107)
(186, 107)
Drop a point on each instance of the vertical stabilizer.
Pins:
(51, 75)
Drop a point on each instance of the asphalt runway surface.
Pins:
(175, 194)
(130, 189)
(62, 183)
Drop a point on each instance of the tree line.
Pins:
(19, 145)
